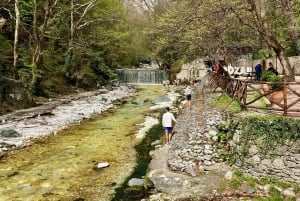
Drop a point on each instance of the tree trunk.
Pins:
(72, 28)
(16, 41)
(260, 24)
(288, 71)
(35, 39)
(39, 40)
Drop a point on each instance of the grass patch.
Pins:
(259, 103)
(223, 102)
(143, 159)
(275, 184)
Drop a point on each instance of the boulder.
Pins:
(9, 133)
(136, 182)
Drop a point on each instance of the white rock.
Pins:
(102, 165)
(136, 182)
(229, 175)
(288, 193)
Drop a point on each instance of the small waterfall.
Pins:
(139, 76)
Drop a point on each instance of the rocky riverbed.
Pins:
(16, 129)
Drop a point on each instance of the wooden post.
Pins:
(245, 96)
(285, 99)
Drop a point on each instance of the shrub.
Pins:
(269, 76)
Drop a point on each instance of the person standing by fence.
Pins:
(272, 69)
(258, 70)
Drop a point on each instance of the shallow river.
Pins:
(61, 167)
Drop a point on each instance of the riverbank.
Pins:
(62, 166)
(18, 128)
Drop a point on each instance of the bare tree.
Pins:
(82, 10)
(39, 34)
(16, 39)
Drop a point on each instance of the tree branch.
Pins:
(89, 6)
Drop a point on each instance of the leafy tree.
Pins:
(263, 16)
(211, 28)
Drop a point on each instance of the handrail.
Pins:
(284, 99)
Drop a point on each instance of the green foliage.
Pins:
(223, 101)
(262, 53)
(54, 86)
(6, 49)
(269, 76)
(35, 88)
(26, 11)
(274, 191)
(227, 129)
(235, 183)
(86, 78)
(226, 132)
(274, 130)
(268, 132)
(238, 173)
(268, 180)
(106, 38)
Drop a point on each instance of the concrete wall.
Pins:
(197, 68)
(295, 63)
(194, 70)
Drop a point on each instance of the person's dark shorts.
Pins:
(167, 128)
(188, 97)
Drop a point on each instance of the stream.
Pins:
(62, 166)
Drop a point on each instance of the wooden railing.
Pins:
(249, 93)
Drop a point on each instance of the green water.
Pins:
(61, 167)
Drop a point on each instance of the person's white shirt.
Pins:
(167, 120)
(188, 91)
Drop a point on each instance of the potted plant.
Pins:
(277, 95)
(269, 76)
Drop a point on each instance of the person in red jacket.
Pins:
(217, 68)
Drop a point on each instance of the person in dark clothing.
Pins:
(258, 70)
(272, 69)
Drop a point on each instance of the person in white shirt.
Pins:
(167, 123)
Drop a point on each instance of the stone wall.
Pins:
(196, 146)
(193, 145)
(282, 162)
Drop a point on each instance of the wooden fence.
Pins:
(284, 99)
